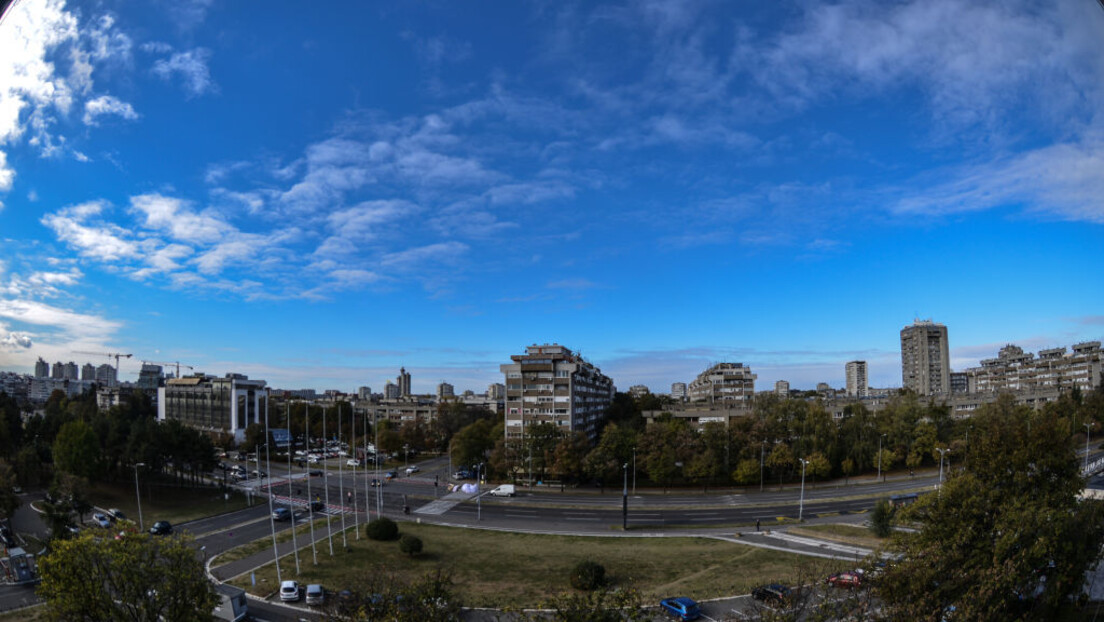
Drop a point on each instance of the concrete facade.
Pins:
(728, 383)
(926, 358)
(222, 405)
(857, 385)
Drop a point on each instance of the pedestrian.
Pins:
(757, 524)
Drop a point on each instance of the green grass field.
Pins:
(499, 569)
(176, 505)
(847, 534)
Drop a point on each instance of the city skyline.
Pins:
(318, 199)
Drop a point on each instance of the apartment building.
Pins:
(857, 385)
(550, 383)
(925, 358)
(1055, 368)
(445, 391)
(730, 383)
(782, 388)
(225, 405)
(678, 391)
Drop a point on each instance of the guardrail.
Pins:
(1093, 468)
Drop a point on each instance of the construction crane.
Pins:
(175, 364)
(116, 355)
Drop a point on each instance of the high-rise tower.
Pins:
(925, 358)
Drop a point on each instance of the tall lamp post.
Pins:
(634, 469)
(479, 492)
(625, 497)
(801, 504)
(1088, 430)
(762, 455)
(880, 457)
(941, 453)
(138, 495)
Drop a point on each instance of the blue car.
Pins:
(681, 608)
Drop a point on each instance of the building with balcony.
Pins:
(926, 358)
(782, 388)
(552, 384)
(724, 383)
(1014, 370)
(678, 391)
(857, 385)
(218, 405)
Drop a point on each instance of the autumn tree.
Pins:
(1007, 537)
(139, 577)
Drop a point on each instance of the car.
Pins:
(317, 506)
(462, 475)
(412, 469)
(774, 593)
(845, 579)
(6, 537)
(681, 608)
(505, 490)
(281, 514)
(353, 462)
(376, 483)
(315, 594)
(161, 528)
(315, 473)
(259, 473)
(390, 475)
(116, 514)
(101, 519)
(289, 591)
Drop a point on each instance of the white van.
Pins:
(505, 490)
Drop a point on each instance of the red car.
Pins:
(845, 579)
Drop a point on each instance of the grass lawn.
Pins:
(31, 614)
(176, 505)
(506, 569)
(847, 534)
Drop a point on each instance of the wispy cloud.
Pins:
(107, 105)
(191, 67)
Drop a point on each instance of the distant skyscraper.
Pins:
(552, 384)
(150, 377)
(58, 371)
(496, 391)
(782, 388)
(404, 382)
(71, 371)
(445, 390)
(857, 385)
(391, 391)
(925, 358)
(678, 391)
(88, 371)
(106, 375)
(364, 393)
(42, 369)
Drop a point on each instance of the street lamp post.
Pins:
(941, 453)
(138, 495)
(479, 493)
(625, 497)
(1088, 430)
(801, 504)
(634, 469)
(762, 454)
(880, 457)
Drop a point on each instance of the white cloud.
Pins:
(16, 341)
(7, 175)
(191, 67)
(71, 324)
(103, 241)
(420, 257)
(107, 105)
(175, 217)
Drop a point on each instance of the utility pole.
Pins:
(801, 505)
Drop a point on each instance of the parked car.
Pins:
(845, 579)
(289, 591)
(116, 514)
(376, 482)
(315, 594)
(259, 473)
(681, 608)
(315, 473)
(410, 470)
(101, 519)
(161, 528)
(353, 462)
(774, 594)
(281, 514)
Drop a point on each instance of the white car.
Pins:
(101, 519)
(289, 591)
(412, 469)
(353, 462)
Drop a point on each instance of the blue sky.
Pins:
(319, 194)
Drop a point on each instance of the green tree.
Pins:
(781, 461)
(847, 467)
(605, 605)
(995, 530)
(77, 449)
(140, 577)
(818, 467)
(747, 472)
(410, 544)
(570, 457)
(9, 501)
(380, 596)
(881, 518)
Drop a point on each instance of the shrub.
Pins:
(588, 575)
(881, 518)
(382, 528)
(411, 545)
